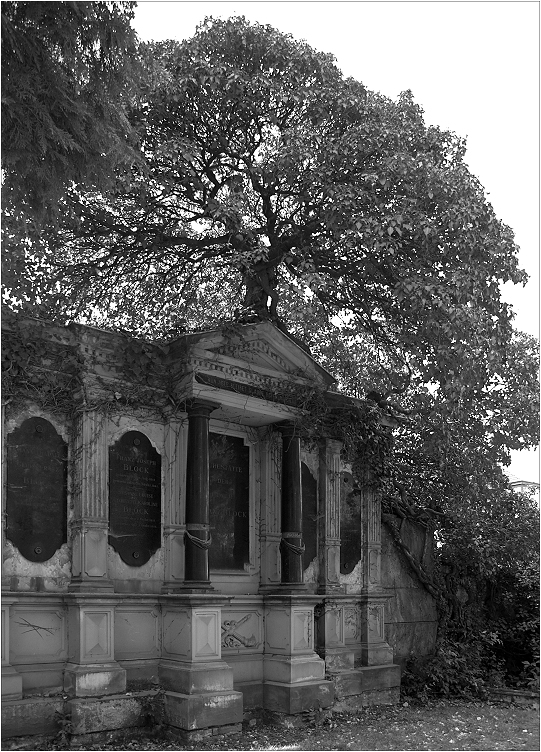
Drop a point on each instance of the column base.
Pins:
(298, 697)
(195, 586)
(203, 710)
(369, 679)
(375, 654)
(194, 678)
(96, 679)
(294, 669)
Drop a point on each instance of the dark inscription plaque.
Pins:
(229, 476)
(36, 502)
(309, 515)
(135, 498)
(350, 524)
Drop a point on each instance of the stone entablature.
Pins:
(200, 451)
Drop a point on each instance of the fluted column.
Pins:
(271, 478)
(291, 546)
(374, 648)
(198, 537)
(329, 528)
(90, 525)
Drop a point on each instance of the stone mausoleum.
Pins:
(184, 544)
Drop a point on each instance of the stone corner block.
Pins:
(89, 715)
(202, 711)
(296, 698)
(195, 678)
(31, 716)
(380, 677)
(94, 680)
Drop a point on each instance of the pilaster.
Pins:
(329, 511)
(374, 649)
(90, 525)
(271, 477)
(174, 529)
(12, 681)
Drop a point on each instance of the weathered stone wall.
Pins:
(411, 617)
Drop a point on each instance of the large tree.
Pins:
(66, 74)
(266, 170)
(268, 186)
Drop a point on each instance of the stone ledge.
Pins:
(33, 716)
(202, 711)
(352, 703)
(176, 734)
(298, 697)
(515, 696)
(365, 679)
(113, 712)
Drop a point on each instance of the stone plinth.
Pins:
(294, 675)
(198, 683)
(91, 669)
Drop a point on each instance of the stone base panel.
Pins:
(212, 658)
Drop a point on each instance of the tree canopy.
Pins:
(265, 171)
(66, 73)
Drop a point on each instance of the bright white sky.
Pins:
(472, 66)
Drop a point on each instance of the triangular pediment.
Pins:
(264, 348)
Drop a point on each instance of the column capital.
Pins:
(288, 429)
(200, 407)
(332, 445)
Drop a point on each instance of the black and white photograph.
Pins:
(270, 375)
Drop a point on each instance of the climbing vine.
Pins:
(35, 369)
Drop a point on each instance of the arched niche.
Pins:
(36, 500)
(135, 498)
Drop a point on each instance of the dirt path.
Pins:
(439, 726)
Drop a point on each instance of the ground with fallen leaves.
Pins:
(449, 725)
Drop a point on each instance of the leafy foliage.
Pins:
(265, 168)
(66, 74)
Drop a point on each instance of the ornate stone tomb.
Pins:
(134, 498)
(229, 478)
(36, 503)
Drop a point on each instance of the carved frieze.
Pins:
(242, 632)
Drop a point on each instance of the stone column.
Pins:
(198, 537)
(374, 648)
(174, 530)
(90, 527)
(291, 546)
